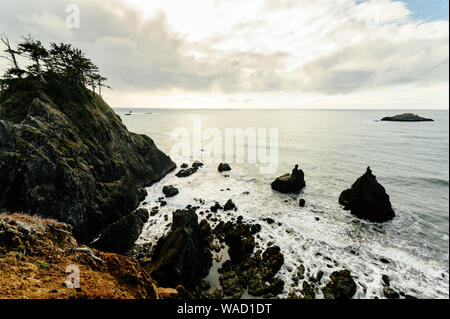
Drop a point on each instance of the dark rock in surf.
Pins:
(183, 256)
(341, 286)
(184, 165)
(187, 172)
(224, 167)
(170, 191)
(390, 293)
(367, 199)
(229, 206)
(120, 236)
(302, 203)
(197, 164)
(216, 207)
(290, 183)
(406, 117)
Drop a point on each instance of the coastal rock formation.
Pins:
(367, 199)
(341, 286)
(229, 205)
(35, 252)
(170, 191)
(406, 117)
(187, 172)
(246, 270)
(224, 167)
(119, 236)
(65, 154)
(290, 183)
(183, 256)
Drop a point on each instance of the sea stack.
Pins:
(367, 199)
(290, 183)
(406, 117)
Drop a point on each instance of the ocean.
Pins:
(333, 147)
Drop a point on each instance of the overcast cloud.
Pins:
(250, 53)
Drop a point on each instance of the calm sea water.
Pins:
(411, 160)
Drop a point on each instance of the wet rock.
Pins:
(216, 207)
(224, 167)
(170, 191)
(385, 261)
(197, 164)
(308, 291)
(386, 280)
(290, 183)
(229, 206)
(120, 236)
(301, 272)
(341, 286)
(390, 293)
(231, 285)
(184, 165)
(367, 199)
(269, 221)
(187, 172)
(183, 256)
(302, 203)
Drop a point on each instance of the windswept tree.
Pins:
(15, 70)
(34, 50)
(62, 61)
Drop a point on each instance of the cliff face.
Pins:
(65, 154)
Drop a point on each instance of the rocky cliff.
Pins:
(65, 154)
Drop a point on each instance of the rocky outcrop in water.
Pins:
(290, 183)
(341, 286)
(170, 191)
(367, 199)
(65, 154)
(406, 117)
(183, 256)
(224, 167)
(246, 270)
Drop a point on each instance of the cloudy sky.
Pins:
(254, 53)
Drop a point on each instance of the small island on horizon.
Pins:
(406, 117)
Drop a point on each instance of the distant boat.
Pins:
(129, 113)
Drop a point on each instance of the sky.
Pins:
(254, 53)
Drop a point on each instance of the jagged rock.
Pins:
(367, 199)
(386, 280)
(341, 286)
(229, 205)
(183, 256)
(216, 207)
(170, 191)
(406, 117)
(302, 203)
(66, 155)
(120, 236)
(290, 183)
(308, 291)
(224, 167)
(197, 164)
(390, 293)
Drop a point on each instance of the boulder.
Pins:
(120, 236)
(406, 117)
(367, 199)
(290, 183)
(224, 167)
(187, 172)
(341, 286)
(183, 256)
(170, 191)
(302, 203)
(197, 164)
(229, 205)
